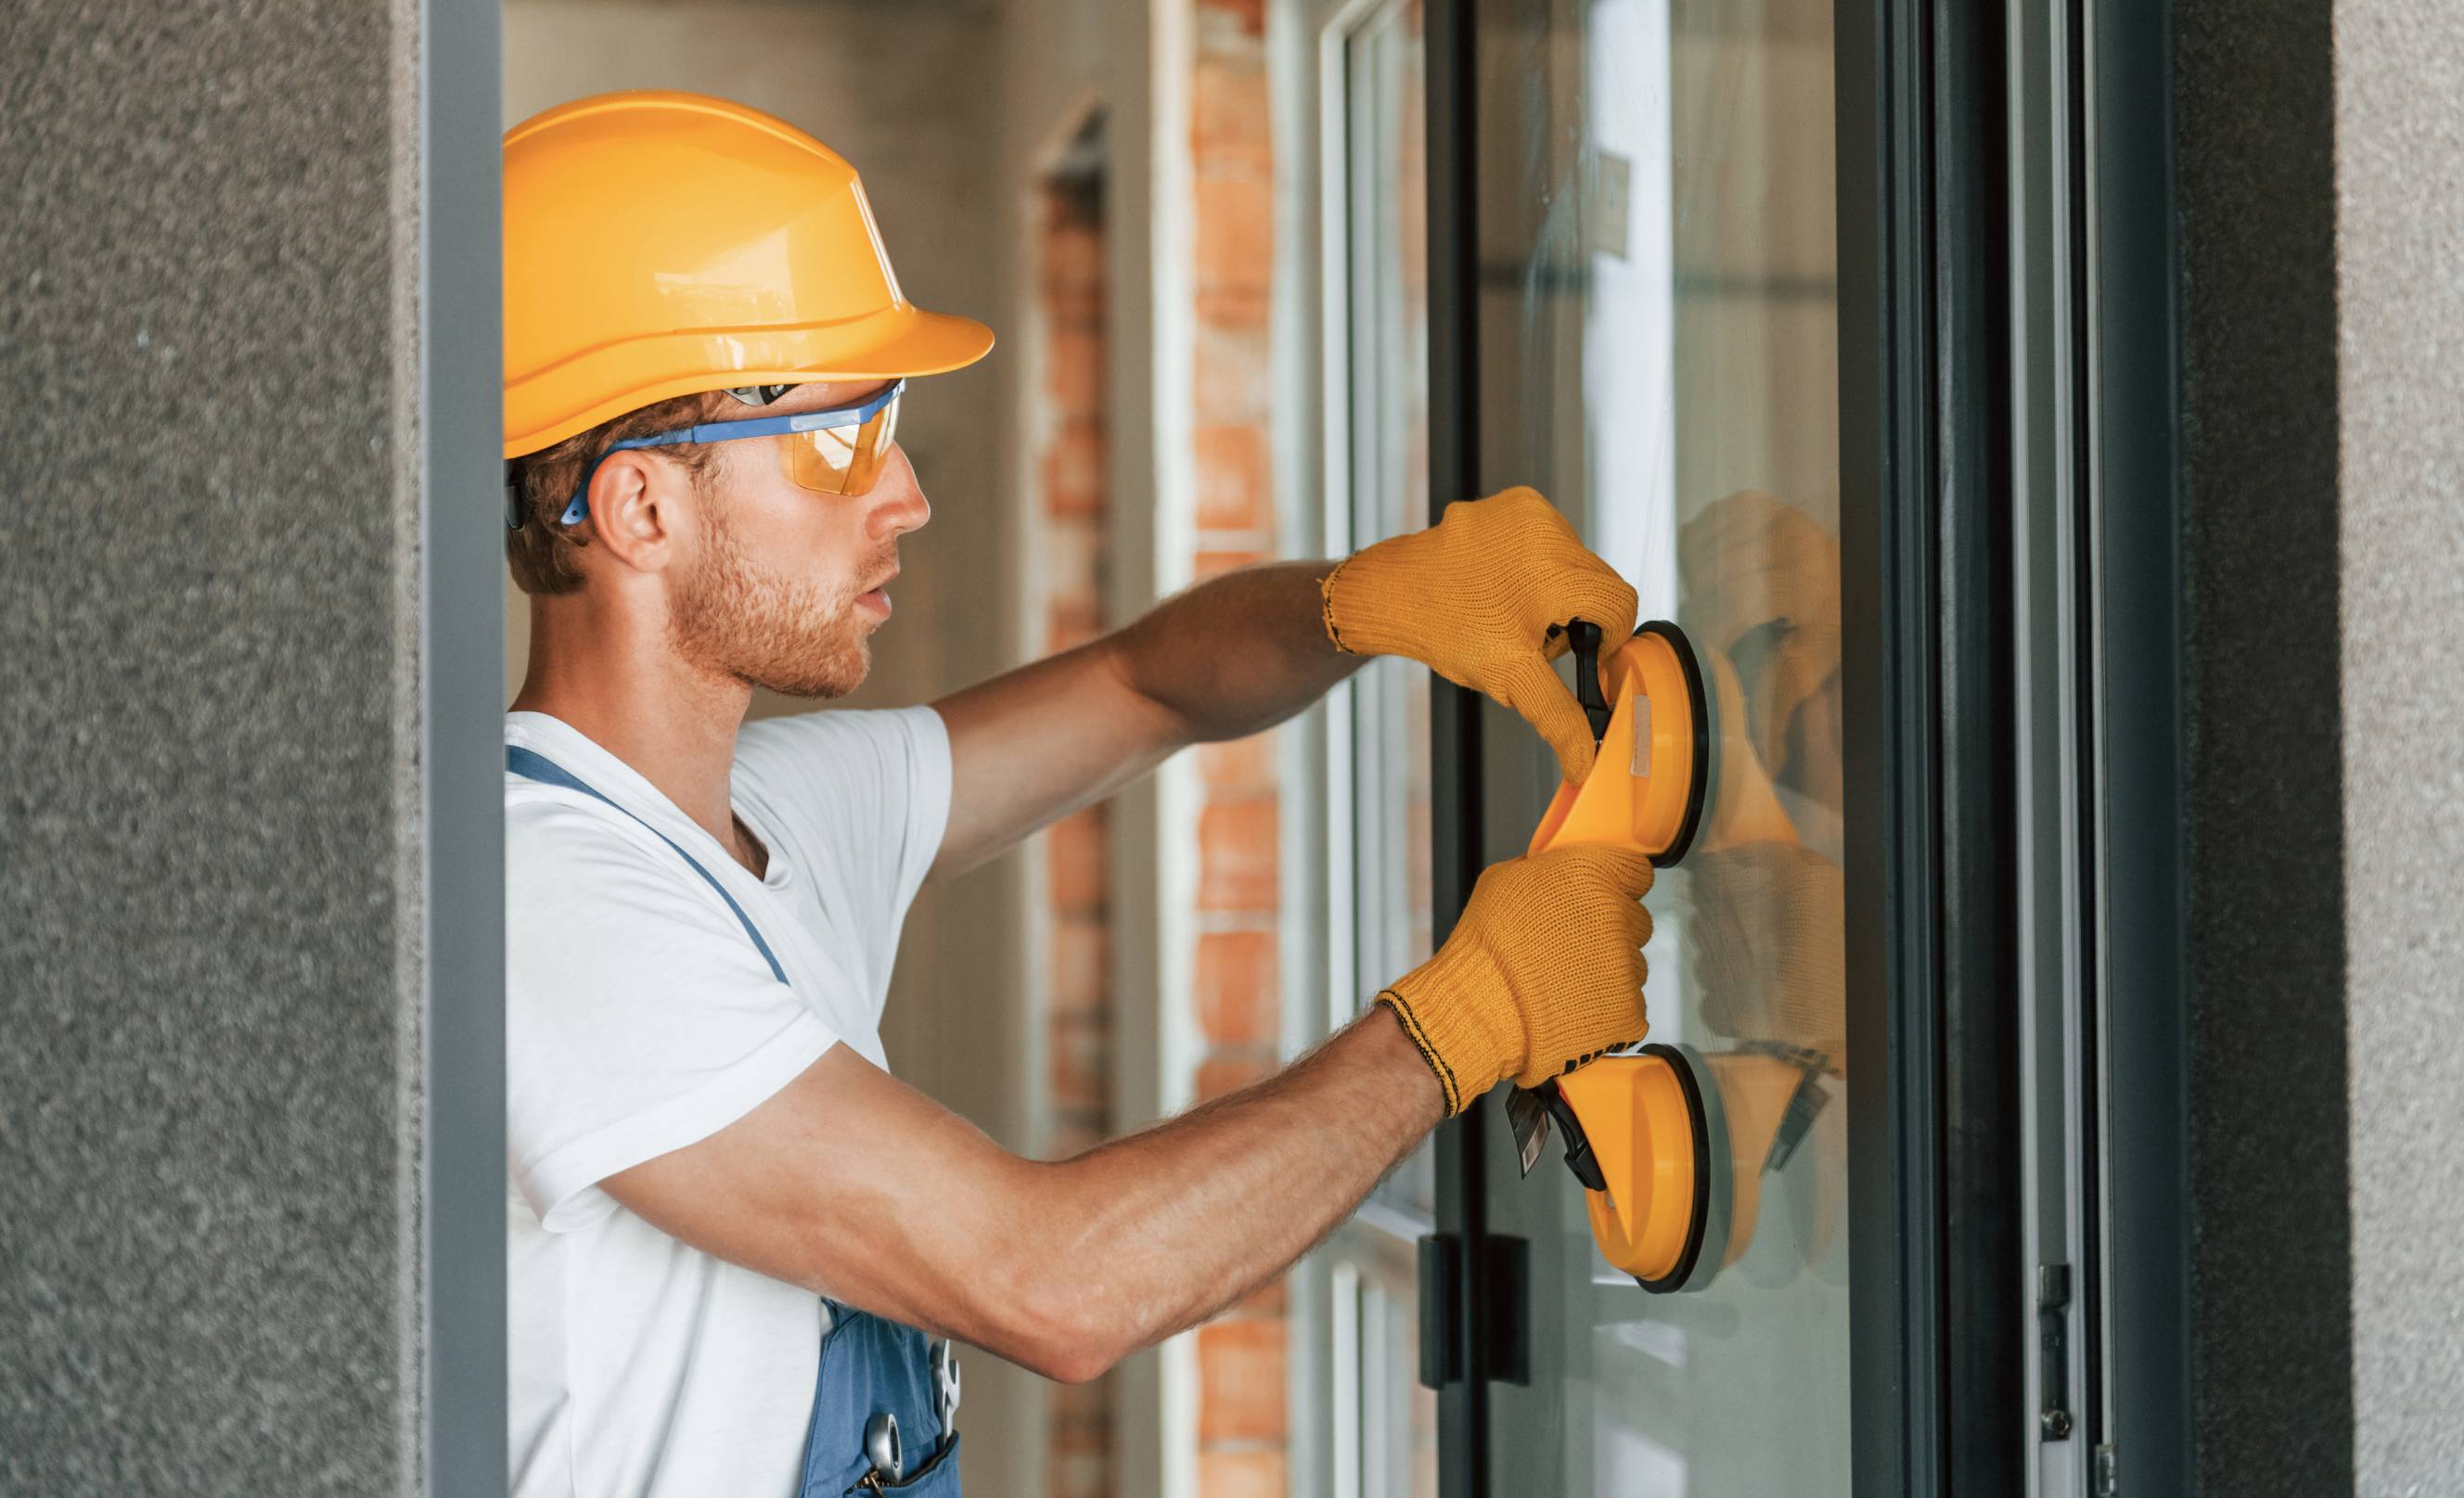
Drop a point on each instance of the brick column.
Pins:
(1241, 1355)
(1069, 524)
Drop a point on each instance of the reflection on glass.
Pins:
(1657, 333)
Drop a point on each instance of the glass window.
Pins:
(1383, 1440)
(1386, 455)
(1658, 353)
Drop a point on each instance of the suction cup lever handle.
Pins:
(1585, 637)
(1578, 1145)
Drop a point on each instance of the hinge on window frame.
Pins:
(2108, 1472)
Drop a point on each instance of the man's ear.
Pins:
(633, 508)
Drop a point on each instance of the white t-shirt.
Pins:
(639, 1019)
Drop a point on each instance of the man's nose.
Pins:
(897, 501)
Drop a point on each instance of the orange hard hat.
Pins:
(661, 244)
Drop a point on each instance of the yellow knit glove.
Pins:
(1472, 599)
(1543, 968)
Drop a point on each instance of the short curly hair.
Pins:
(544, 556)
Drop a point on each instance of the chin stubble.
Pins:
(796, 638)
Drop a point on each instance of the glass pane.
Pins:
(1388, 449)
(1657, 343)
(1385, 1436)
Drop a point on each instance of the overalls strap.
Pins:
(532, 766)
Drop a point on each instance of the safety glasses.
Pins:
(835, 452)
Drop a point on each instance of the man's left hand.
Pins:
(1473, 598)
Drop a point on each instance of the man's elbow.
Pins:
(1163, 716)
(1081, 1361)
(1058, 1327)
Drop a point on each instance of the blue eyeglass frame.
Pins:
(578, 507)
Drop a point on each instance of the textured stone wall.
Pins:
(208, 929)
(2321, 157)
(2400, 328)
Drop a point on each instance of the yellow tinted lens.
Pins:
(872, 446)
(819, 459)
(840, 460)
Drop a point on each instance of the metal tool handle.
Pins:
(1585, 638)
(881, 1446)
(1579, 1159)
(945, 1382)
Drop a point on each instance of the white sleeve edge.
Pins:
(562, 1187)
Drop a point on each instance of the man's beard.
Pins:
(796, 638)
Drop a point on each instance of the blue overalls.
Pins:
(870, 1368)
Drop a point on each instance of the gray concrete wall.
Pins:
(2320, 166)
(2399, 77)
(212, 925)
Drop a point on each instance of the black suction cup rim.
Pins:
(1699, 1220)
(1699, 715)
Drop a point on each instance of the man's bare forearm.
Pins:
(1153, 1233)
(1238, 653)
(857, 1186)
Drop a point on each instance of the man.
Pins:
(729, 1219)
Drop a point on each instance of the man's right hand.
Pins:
(1543, 968)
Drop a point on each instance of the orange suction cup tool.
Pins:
(1644, 1134)
(1648, 789)
(1649, 1143)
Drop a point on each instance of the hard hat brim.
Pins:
(903, 343)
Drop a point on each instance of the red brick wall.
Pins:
(1077, 935)
(1235, 989)
(1234, 1000)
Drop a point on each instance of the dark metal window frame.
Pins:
(2135, 352)
(1936, 1342)
(1450, 38)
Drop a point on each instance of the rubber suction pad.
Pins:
(1648, 787)
(1659, 1138)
